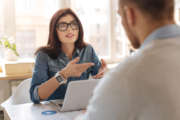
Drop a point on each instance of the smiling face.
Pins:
(67, 29)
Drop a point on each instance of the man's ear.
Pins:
(130, 15)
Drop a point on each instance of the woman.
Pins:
(65, 58)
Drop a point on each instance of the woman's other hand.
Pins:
(102, 70)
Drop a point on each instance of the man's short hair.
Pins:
(156, 9)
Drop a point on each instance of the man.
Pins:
(146, 85)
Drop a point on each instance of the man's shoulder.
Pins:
(117, 75)
(110, 89)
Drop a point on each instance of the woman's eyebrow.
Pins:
(68, 22)
(74, 20)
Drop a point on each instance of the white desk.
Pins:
(34, 112)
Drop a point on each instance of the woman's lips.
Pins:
(70, 35)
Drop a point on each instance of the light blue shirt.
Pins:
(164, 32)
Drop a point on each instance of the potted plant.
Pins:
(9, 46)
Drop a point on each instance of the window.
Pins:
(1, 14)
(28, 21)
(120, 39)
(95, 20)
(32, 24)
(177, 11)
(1, 24)
(102, 27)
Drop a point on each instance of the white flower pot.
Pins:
(9, 55)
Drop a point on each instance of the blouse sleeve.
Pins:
(40, 75)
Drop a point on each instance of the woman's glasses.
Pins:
(63, 26)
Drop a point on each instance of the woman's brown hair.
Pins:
(53, 47)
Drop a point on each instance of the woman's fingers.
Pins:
(75, 60)
(84, 66)
(101, 70)
(103, 63)
(77, 69)
(99, 75)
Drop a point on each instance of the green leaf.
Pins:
(15, 52)
(7, 44)
(14, 46)
(0, 42)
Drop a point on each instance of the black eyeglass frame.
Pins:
(75, 27)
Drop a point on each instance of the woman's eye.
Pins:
(62, 25)
(74, 23)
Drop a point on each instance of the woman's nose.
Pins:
(69, 28)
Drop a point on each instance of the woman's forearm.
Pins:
(47, 88)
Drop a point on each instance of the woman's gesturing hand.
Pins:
(75, 70)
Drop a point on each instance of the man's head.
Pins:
(141, 17)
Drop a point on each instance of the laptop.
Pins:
(78, 95)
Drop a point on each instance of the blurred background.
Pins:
(28, 22)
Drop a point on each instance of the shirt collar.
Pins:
(75, 54)
(167, 31)
(77, 51)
